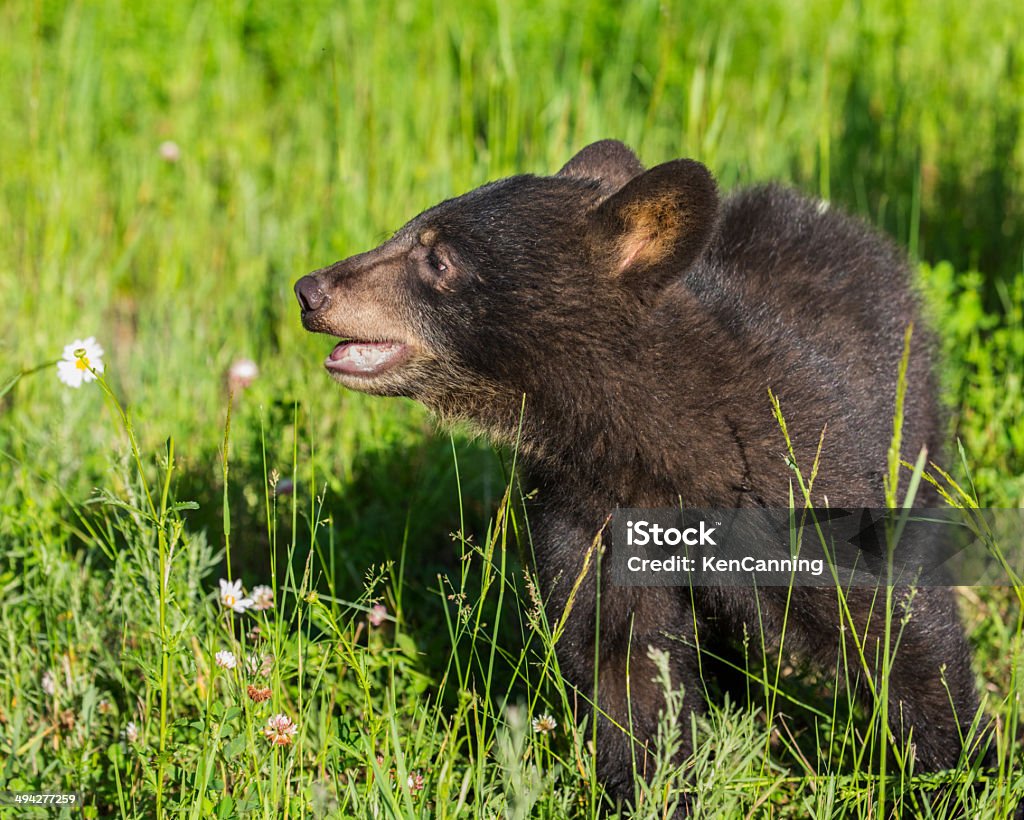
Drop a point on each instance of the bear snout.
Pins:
(309, 293)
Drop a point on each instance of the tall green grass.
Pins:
(306, 132)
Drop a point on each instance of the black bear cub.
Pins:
(623, 327)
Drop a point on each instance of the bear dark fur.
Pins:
(623, 328)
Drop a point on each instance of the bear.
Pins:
(622, 328)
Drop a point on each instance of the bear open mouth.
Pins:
(352, 357)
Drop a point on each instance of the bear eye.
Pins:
(436, 262)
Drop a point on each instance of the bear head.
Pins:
(526, 289)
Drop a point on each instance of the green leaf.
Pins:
(226, 807)
(235, 747)
(10, 385)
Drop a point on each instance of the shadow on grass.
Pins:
(395, 499)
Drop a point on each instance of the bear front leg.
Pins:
(613, 626)
(630, 698)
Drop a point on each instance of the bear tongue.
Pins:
(362, 358)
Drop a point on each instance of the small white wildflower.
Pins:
(131, 732)
(170, 151)
(544, 725)
(79, 360)
(261, 665)
(279, 730)
(48, 684)
(231, 596)
(226, 660)
(262, 597)
(242, 373)
(378, 614)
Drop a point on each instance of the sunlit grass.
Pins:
(169, 171)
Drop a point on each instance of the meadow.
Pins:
(167, 171)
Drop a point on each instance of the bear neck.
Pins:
(623, 443)
(624, 418)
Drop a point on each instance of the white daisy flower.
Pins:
(79, 360)
(225, 659)
(231, 596)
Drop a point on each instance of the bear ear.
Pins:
(609, 162)
(659, 223)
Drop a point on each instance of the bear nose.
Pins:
(309, 293)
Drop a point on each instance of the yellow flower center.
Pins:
(82, 363)
(229, 599)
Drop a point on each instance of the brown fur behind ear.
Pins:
(662, 219)
(609, 162)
